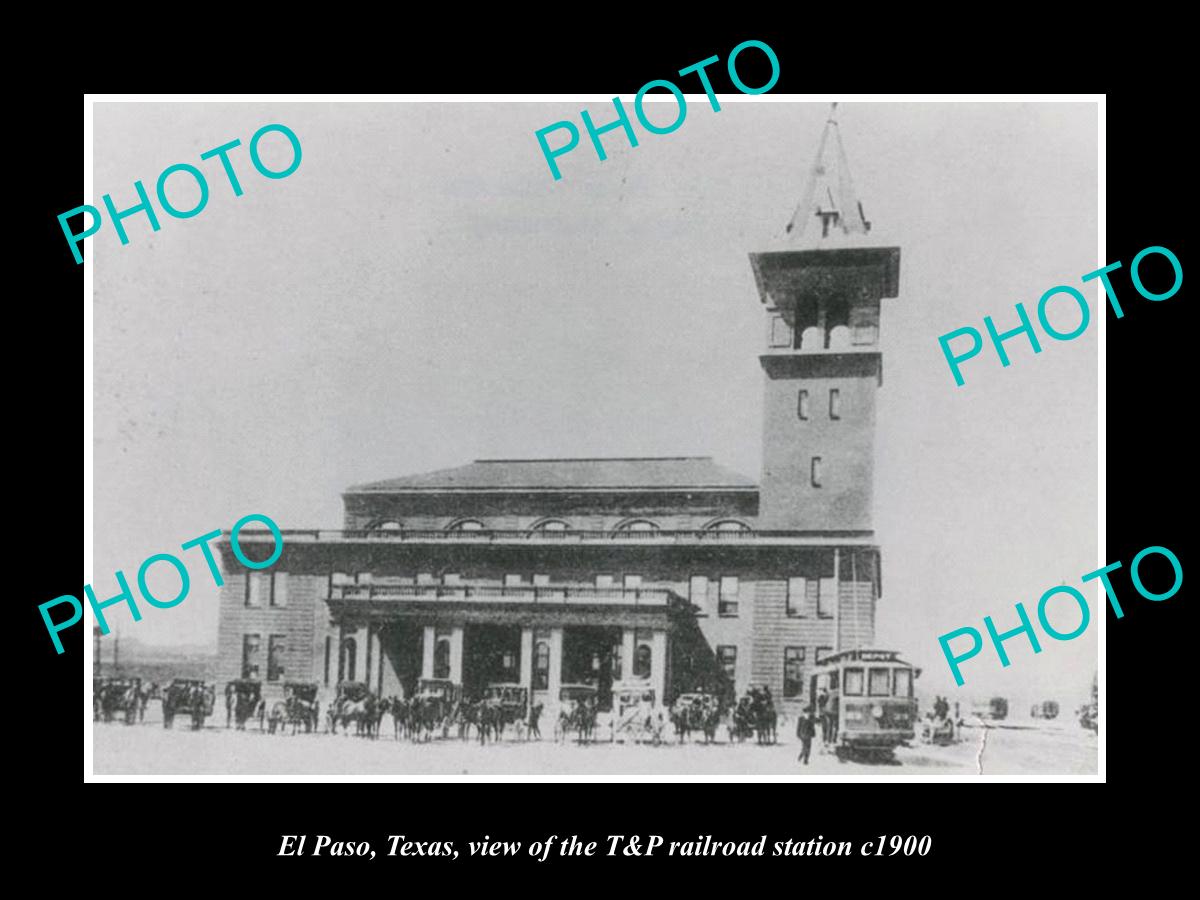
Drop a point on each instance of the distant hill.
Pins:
(157, 662)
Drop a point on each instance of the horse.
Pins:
(277, 717)
(360, 712)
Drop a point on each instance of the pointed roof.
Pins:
(658, 473)
(830, 204)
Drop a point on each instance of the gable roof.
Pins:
(613, 474)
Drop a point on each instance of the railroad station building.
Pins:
(673, 573)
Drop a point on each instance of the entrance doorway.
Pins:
(400, 644)
(592, 655)
(491, 654)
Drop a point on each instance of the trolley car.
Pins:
(870, 699)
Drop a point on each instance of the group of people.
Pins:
(826, 712)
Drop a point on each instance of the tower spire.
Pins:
(829, 195)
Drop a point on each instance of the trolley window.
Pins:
(904, 685)
(879, 684)
(853, 682)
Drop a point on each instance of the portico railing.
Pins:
(504, 593)
(495, 536)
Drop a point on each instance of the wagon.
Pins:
(439, 689)
(633, 716)
(299, 707)
(117, 697)
(576, 710)
(512, 698)
(188, 696)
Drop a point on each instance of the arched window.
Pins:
(550, 527)
(385, 526)
(637, 526)
(348, 661)
(441, 658)
(641, 661)
(465, 525)
(541, 666)
(732, 525)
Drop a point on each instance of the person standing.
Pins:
(806, 728)
(822, 703)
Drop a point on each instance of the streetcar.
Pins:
(870, 697)
(1048, 709)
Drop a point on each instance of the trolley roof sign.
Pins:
(864, 656)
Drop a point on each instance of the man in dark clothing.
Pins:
(822, 702)
(535, 716)
(806, 728)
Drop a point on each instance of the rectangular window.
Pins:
(903, 686)
(452, 579)
(802, 405)
(826, 596)
(633, 581)
(426, 578)
(793, 672)
(879, 683)
(254, 589)
(727, 660)
(797, 597)
(328, 650)
(835, 403)
(854, 683)
(781, 332)
(698, 593)
(604, 581)
(728, 602)
(821, 653)
(251, 644)
(541, 580)
(866, 334)
(279, 589)
(276, 647)
(816, 471)
(512, 580)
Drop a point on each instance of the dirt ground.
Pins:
(1060, 747)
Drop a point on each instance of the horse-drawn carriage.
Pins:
(355, 703)
(116, 697)
(244, 701)
(576, 711)
(634, 716)
(502, 704)
(189, 697)
(298, 708)
(697, 711)
(753, 715)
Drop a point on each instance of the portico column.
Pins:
(456, 654)
(427, 652)
(361, 652)
(375, 673)
(526, 666)
(658, 665)
(556, 647)
(628, 649)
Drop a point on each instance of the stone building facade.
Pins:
(672, 573)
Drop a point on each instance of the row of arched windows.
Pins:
(558, 525)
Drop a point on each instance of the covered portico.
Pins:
(540, 639)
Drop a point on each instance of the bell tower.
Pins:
(822, 361)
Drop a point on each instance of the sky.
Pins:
(421, 292)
